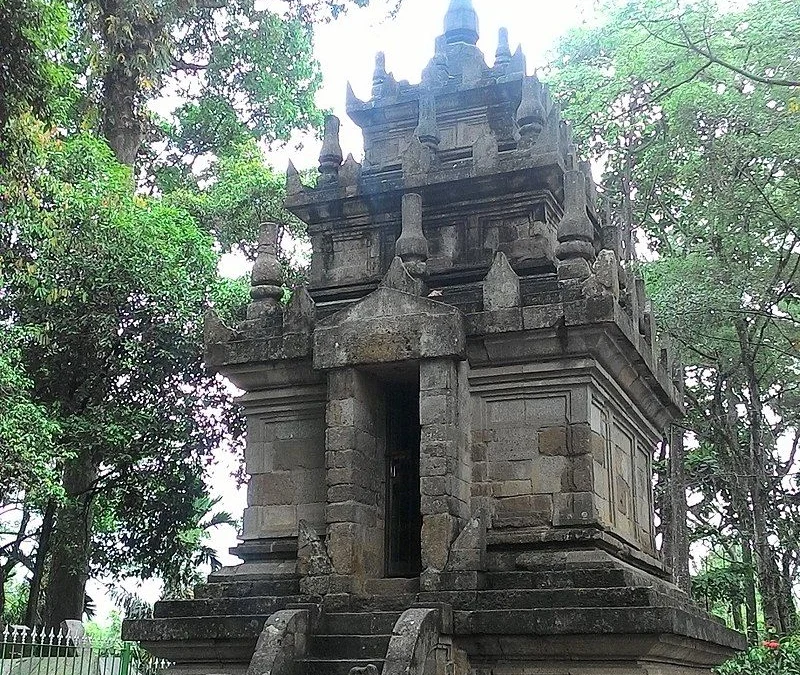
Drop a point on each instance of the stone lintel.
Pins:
(262, 378)
(386, 327)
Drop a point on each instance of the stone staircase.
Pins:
(346, 640)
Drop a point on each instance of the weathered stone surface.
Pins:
(281, 643)
(413, 640)
(501, 285)
(386, 327)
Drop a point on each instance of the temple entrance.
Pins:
(403, 516)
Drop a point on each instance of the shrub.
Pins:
(772, 657)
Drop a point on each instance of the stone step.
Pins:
(377, 603)
(246, 589)
(312, 666)
(359, 623)
(514, 598)
(244, 628)
(564, 597)
(349, 646)
(592, 621)
(579, 578)
(265, 605)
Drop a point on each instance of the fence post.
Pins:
(125, 659)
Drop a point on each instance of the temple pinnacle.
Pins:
(461, 22)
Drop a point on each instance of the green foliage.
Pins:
(114, 287)
(240, 193)
(32, 29)
(230, 298)
(16, 596)
(106, 639)
(773, 657)
(27, 433)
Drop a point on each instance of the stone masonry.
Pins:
(450, 430)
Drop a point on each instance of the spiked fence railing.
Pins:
(37, 651)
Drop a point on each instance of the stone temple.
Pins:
(450, 429)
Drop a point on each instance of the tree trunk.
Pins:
(33, 616)
(750, 601)
(71, 545)
(122, 126)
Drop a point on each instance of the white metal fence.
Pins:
(61, 652)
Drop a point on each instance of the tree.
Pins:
(700, 149)
(242, 66)
(114, 287)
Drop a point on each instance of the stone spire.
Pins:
(267, 275)
(330, 158)
(530, 114)
(411, 246)
(427, 130)
(575, 231)
(461, 22)
(379, 75)
(503, 56)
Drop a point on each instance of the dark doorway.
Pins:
(403, 517)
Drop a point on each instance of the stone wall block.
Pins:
(269, 521)
(574, 508)
(580, 439)
(341, 384)
(434, 433)
(542, 316)
(438, 530)
(547, 474)
(511, 488)
(437, 409)
(340, 412)
(340, 438)
(437, 374)
(578, 475)
(598, 444)
(553, 441)
(351, 512)
(436, 485)
(524, 511)
(507, 470)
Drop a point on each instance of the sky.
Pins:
(346, 50)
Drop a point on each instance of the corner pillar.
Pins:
(444, 469)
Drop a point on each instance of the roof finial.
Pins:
(461, 22)
(503, 56)
(330, 159)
